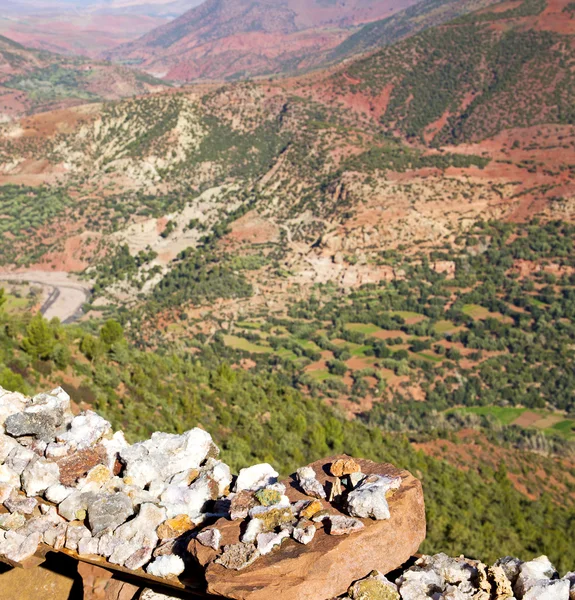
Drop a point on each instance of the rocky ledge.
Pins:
(163, 506)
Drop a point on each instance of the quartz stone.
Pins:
(256, 477)
(166, 566)
(38, 476)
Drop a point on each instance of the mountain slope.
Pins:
(474, 77)
(421, 16)
(34, 81)
(235, 38)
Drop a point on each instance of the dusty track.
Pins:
(64, 294)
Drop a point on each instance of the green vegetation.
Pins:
(259, 417)
(517, 78)
(24, 213)
(53, 83)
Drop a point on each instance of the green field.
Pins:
(508, 415)
(444, 326)
(365, 328)
(15, 304)
(475, 311)
(238, 343)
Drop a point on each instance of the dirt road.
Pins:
(64, 294)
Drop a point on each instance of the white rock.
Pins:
(57, 450)
(13, 520)
(6, 490)
(530, 573)
(114, 446)
(39, 475)
(149, 594)
(211, 538)
(138, 537)
(266, 542)
(10, 404)
(76, 505)
(304, 535)
(57, 493)
(256, 477)
(252, 531)
(369, 500)
(187, 501)
(309, 483)
(7, 444)
(222, 475)
(56, 536)
(165, 454)
(18, 503)
(18, 548)
(85, 431)
(557, 589)
(74, 533)
(88, 545)
(166, 566)
(306, 473)
(9, 476)
(20, 458)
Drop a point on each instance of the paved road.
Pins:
(64, 294)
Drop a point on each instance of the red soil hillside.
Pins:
(233, 38)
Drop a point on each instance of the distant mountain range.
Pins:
(231, 39)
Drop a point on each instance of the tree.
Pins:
(91, 347)
(39, 341)
(111, 332)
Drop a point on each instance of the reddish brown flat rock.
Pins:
(78, 464)
(324, 568)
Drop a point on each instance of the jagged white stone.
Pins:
(85, 430)
(149, 594)
(304, 534)
(10, 404)
(221, 474)
(6, 490)
(114, 446)
(534, 574)
(166, 566)
(211, 538)
(7, 444)
(18, 503)
(266, 542)
(74, 533)
(138, 537)
(56, 450)
(57, 493)
(56, 536)
(256, 477)
(252, 531)
(368, 500)
(12, 521)
(76, 505)
(39, 475)
(165, 454)
(9, 476)
(88, 545)
(557, 589)
(20, 458)
(18, 548)
(308, 482)
(179, 500)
